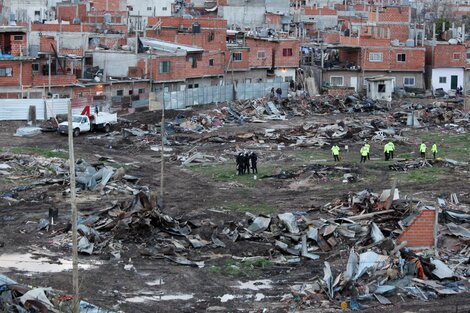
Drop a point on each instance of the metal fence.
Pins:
(18, 109)
(215, 94)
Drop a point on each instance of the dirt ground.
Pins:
(208, 194)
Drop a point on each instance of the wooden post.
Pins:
(392, 194)
(436, 228)
(76, 300)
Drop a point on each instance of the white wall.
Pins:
(140, 7)
(115, 64)
(446, 72)
(25, 9)
(288, 72)
(374, 94)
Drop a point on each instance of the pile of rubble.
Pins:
(42, 171)
(448, 114)
(368, 229)
(15, 297)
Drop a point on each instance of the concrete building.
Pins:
(251, 13)
(150, 7)
(380, 88)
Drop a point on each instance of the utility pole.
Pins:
(76, 300)
(162, 130)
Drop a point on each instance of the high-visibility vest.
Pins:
(335, 150)
(392, 146)
(367, 147)
(387, 148)
(434, 148)
(364, 151)
(422, 147)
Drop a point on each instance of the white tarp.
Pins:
(18, 109)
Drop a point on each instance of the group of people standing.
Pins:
(389, 150)
(243, 163)
(423, 148)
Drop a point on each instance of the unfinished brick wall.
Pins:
(449, 55)
(420, 233)
(18, 47)
(67, 12)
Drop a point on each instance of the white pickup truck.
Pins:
(87, 122)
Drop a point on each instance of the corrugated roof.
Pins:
(168, 46)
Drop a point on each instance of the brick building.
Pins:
(352, 60)
(446, 65)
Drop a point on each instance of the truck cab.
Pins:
(80, 124)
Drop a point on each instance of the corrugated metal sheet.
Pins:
(18, 109)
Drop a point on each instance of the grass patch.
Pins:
(48, 153)
(227, 173)
(425, 175)
(259, 208)
(236, 269)
(449, 145)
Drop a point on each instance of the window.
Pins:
(442, 80)
(456, 55)
(237, 56)
(149, 8)
(287, 52)
(376, 56)
(193, 62)
(131, 92)
(211, 36)
(409, 81)
(164, 67)
(35, 67)
(336, 81)
(468, 55)
(141, 91)
(6, 72)
(191, 86)
(37, 13)
(401, 57)
(211, 62)
(287, 79)
(261, 54)
(120, 92)
(381, 88)
(18, 37)
(164, 8)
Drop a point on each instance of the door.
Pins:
(354, 83)
(453, 82)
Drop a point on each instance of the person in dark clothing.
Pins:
(239, 163)
(292, 85)
(254, 159)
(246, 162)
(279, 93)
(272, 93)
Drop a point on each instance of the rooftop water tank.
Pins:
(410, 43)
(196, 27)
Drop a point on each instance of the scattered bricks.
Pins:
(340, 91)
(420, 233)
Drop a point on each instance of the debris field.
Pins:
(304, 234)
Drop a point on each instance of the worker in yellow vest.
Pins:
(387, 151)
(367, 146)
(364, 151)
(422, 150)
(391, 149)
(434, 150)
(335, 152)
